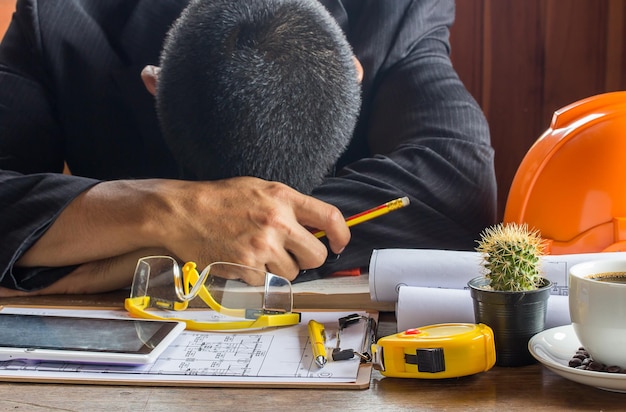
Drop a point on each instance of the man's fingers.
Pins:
(306, 249)
(319, 215)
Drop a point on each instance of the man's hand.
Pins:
(250, 221)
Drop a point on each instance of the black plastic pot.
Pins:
(514, 317)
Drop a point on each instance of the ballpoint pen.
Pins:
(371, 213)
(318, 342)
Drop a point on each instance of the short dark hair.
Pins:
(264, 88)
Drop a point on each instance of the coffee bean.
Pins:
(596, 366)
(582, 360)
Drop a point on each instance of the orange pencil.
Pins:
(372, 213)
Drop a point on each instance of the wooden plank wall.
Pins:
(522, 60)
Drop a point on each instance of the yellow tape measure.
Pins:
(436, 351)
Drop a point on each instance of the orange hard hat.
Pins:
(571, 185)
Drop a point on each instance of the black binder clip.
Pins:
(364, 354)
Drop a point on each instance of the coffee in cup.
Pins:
(597, 304)
(613, 277)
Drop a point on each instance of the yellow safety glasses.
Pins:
(159, 286)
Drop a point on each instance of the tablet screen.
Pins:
(133, 336)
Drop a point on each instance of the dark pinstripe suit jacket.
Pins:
(70, 90)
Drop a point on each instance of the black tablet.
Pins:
(87, 340)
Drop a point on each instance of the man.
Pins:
(419, 133)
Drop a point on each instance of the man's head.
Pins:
(264, 88)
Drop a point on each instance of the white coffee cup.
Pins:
(598, 309)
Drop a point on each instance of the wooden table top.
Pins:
(529, 388)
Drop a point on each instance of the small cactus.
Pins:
(511, 257)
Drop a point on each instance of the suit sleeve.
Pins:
(33, 192)
(430, 141)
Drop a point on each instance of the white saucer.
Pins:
(555, 347)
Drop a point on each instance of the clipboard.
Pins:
(288, 340)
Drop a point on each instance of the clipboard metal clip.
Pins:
(364, 353)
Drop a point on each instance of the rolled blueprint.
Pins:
(421, 306)
(392, 268)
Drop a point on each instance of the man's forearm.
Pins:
(109, 219)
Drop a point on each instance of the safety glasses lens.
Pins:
(223, 282)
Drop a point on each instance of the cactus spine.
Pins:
(511, 257)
